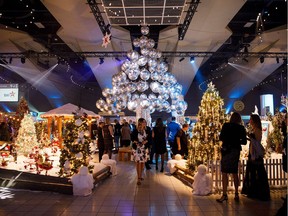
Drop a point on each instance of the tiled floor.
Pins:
(160, 194)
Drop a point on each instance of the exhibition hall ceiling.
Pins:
(66, 61)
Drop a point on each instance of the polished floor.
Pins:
(159, 194)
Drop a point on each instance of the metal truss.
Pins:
(32, 54)
(190, 13)
(97, 14)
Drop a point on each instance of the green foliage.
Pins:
(75, 151)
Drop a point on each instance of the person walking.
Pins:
(159, 138)
(108, 136)
(232, 135)
(172, 128)
(255, 184)
(139, 142)
(149, 145)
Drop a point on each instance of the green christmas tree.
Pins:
(76, 141)
(26, 139)
(22, 109)
(205, 144)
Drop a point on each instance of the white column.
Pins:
(266, 104)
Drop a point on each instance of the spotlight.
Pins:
(277, 60)
(165, 60)
(101, 61)
(192, 59)
(261, 59)
(119, 60)
(245, 59)
(10, 60)
(23, 60)
(181, 59)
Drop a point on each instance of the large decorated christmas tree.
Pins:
(205, 144)
(26, 139)
(76, 141)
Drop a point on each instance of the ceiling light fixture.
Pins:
(192, 59)
(23, 60)
(245, 59)
(277, 60)
(101, 61)
(119, 60)
(261, 59)
(181, 59)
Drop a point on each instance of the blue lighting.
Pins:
(229, 107)
(6, 108)
(237, 93)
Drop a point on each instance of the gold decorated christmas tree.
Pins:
(204, 145)
(76, 139)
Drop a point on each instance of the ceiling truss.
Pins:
(32, 54)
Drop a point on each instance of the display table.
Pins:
(124, 154)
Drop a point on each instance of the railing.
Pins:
(277, 178)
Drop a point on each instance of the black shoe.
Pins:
(223, 198)
(236, 198)
(147, 166)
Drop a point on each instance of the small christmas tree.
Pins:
(22, 109)
(75, 152)
(205, 144)
(26, 139)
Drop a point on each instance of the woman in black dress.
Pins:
(159, 139)
(255, 183)
(232, 135)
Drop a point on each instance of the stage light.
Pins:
(101, 61)
(23, 60)
(10, 60)
(192, 59)
(181, 59)
(119, 60)
(261, 59)
(277, 60)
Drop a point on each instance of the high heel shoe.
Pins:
(139, 181)
(236, 198)
(223, 198)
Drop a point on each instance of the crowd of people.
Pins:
(148, 143)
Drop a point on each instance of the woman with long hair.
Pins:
(232, 135)
(139, 139)
(255, 183)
